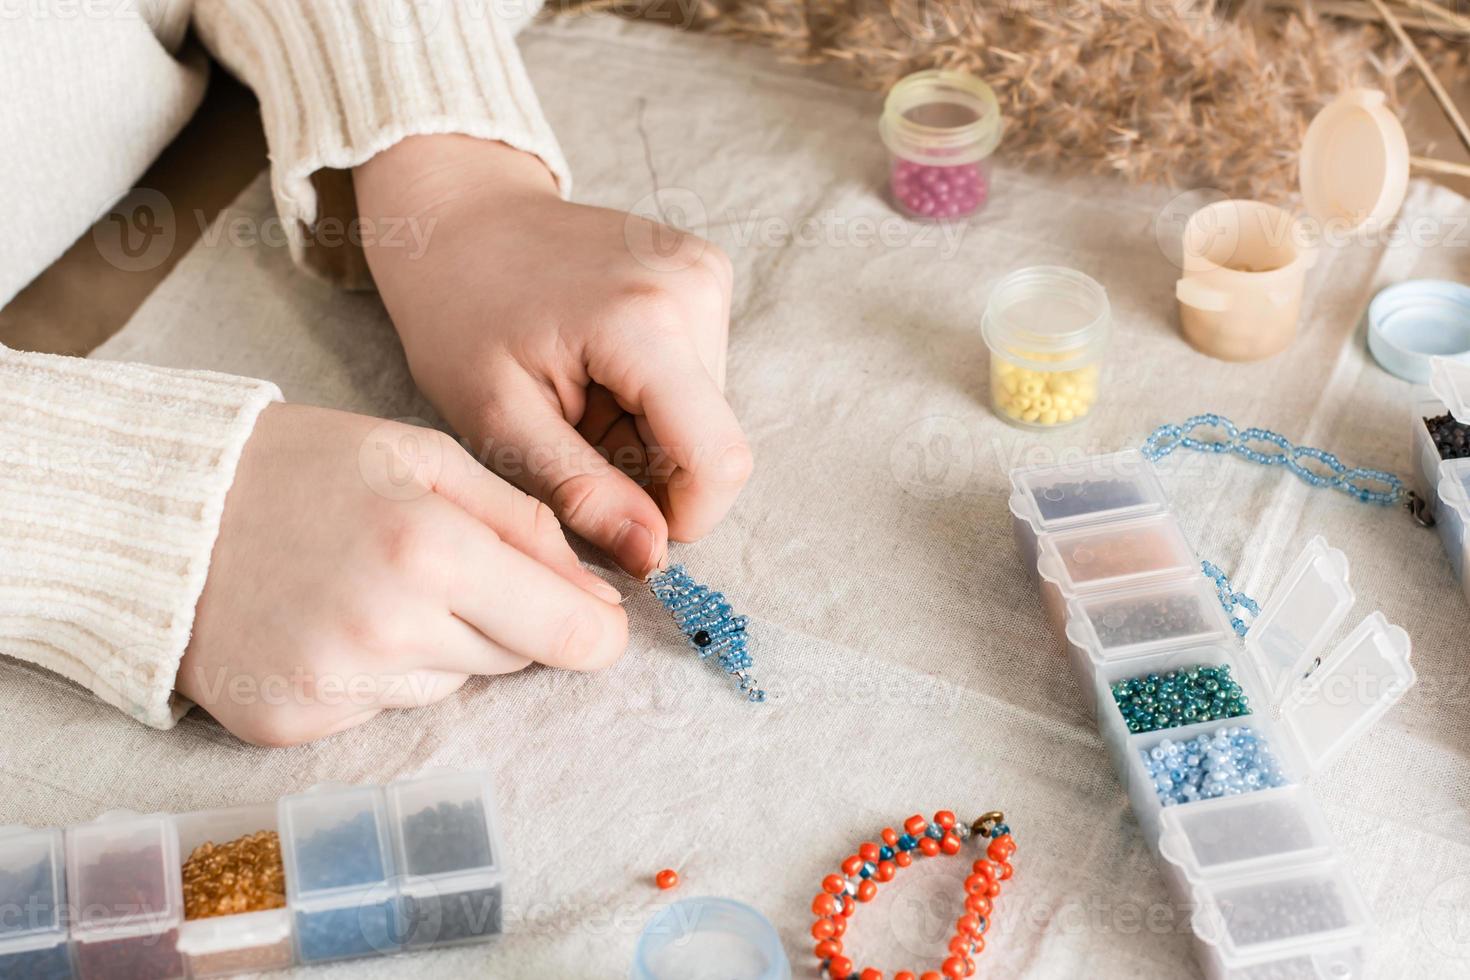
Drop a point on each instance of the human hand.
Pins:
(364, 565)
(536, 330)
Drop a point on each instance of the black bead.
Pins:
(702, 639)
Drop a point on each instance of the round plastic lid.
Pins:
(1410, 322)
(1354, 165)
(709, 939)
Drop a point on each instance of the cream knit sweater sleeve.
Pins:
(113, 477)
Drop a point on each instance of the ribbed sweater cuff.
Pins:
(112, 481)
(339, 81)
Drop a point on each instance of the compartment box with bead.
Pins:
(123, 883)
(1440, 425)
(1167, 691)
(1294, 922)
(1089, 561)
(1092, 490)
(447, 846)
(341, 882)
(33, 908)
(1134, 623)
(212, 941)
(1238, 836)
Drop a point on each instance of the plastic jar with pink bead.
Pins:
(940, 128)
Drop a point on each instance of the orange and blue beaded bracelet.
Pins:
(875, 863)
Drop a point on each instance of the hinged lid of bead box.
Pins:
(1309, 911)
(1135, 622)
(122, 877)
(32, 899)
(1450, 382)
(1122, 554)
(1239, 835)
(1326, 701)
(1112, 487)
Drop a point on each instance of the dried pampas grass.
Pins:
(1180, 92)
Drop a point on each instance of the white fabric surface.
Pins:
(872, 551)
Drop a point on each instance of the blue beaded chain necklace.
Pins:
(709, 623)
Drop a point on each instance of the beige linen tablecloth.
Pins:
(872, 551)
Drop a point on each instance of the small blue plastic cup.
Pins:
(709, 939)
(1412, 321)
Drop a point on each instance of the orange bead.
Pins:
(930, 975)
(848, 905)
(903, 859)
(867, 889)
(954, 967)
(978, 904)
(929, 847)
(839, 926)
(868, 851)
(824, 904)
(945, 819)
(949, 844)
(975, 885)
(969, 968)
(959, 946)
(968, 924)
(983, 867)
(886, 871)
(993, 890)
(915, 825)
(890, 837)
(833, 884)
(852, 865)
(828, 948)
(666, 879)
(1000, 849)
(824, 929)
(871, 974)
(840, 967)
(1006, 871)
(979, 942)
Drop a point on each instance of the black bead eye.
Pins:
(702, 639)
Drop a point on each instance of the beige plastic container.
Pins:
(1245, 262)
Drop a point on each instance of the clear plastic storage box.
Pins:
(340, 880)
(33, 924)
(122, 877)
(1254, 855)
(1100, 558)
(1079, 492)
(369, 871)
(222, 945)
(449, 853)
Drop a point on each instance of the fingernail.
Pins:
(605, 591)
(633, 548)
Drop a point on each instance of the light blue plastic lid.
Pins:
(709, 939)
(1410, 322)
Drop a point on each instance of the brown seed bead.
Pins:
(245, 875)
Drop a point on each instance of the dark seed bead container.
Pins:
(1215, 739)
(1091, 490)
(446, 845)
(33, 925)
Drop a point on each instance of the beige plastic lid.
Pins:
(1354, 164)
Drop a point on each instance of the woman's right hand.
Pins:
(364, 565)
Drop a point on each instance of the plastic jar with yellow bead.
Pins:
(1047, 329)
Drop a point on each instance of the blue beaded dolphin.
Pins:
(709, 623)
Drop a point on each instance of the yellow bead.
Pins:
(1065, 415)
(1043, 403)
(1031, 387)
(1048, 417)
(1030, 415)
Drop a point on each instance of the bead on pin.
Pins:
(709, 623)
